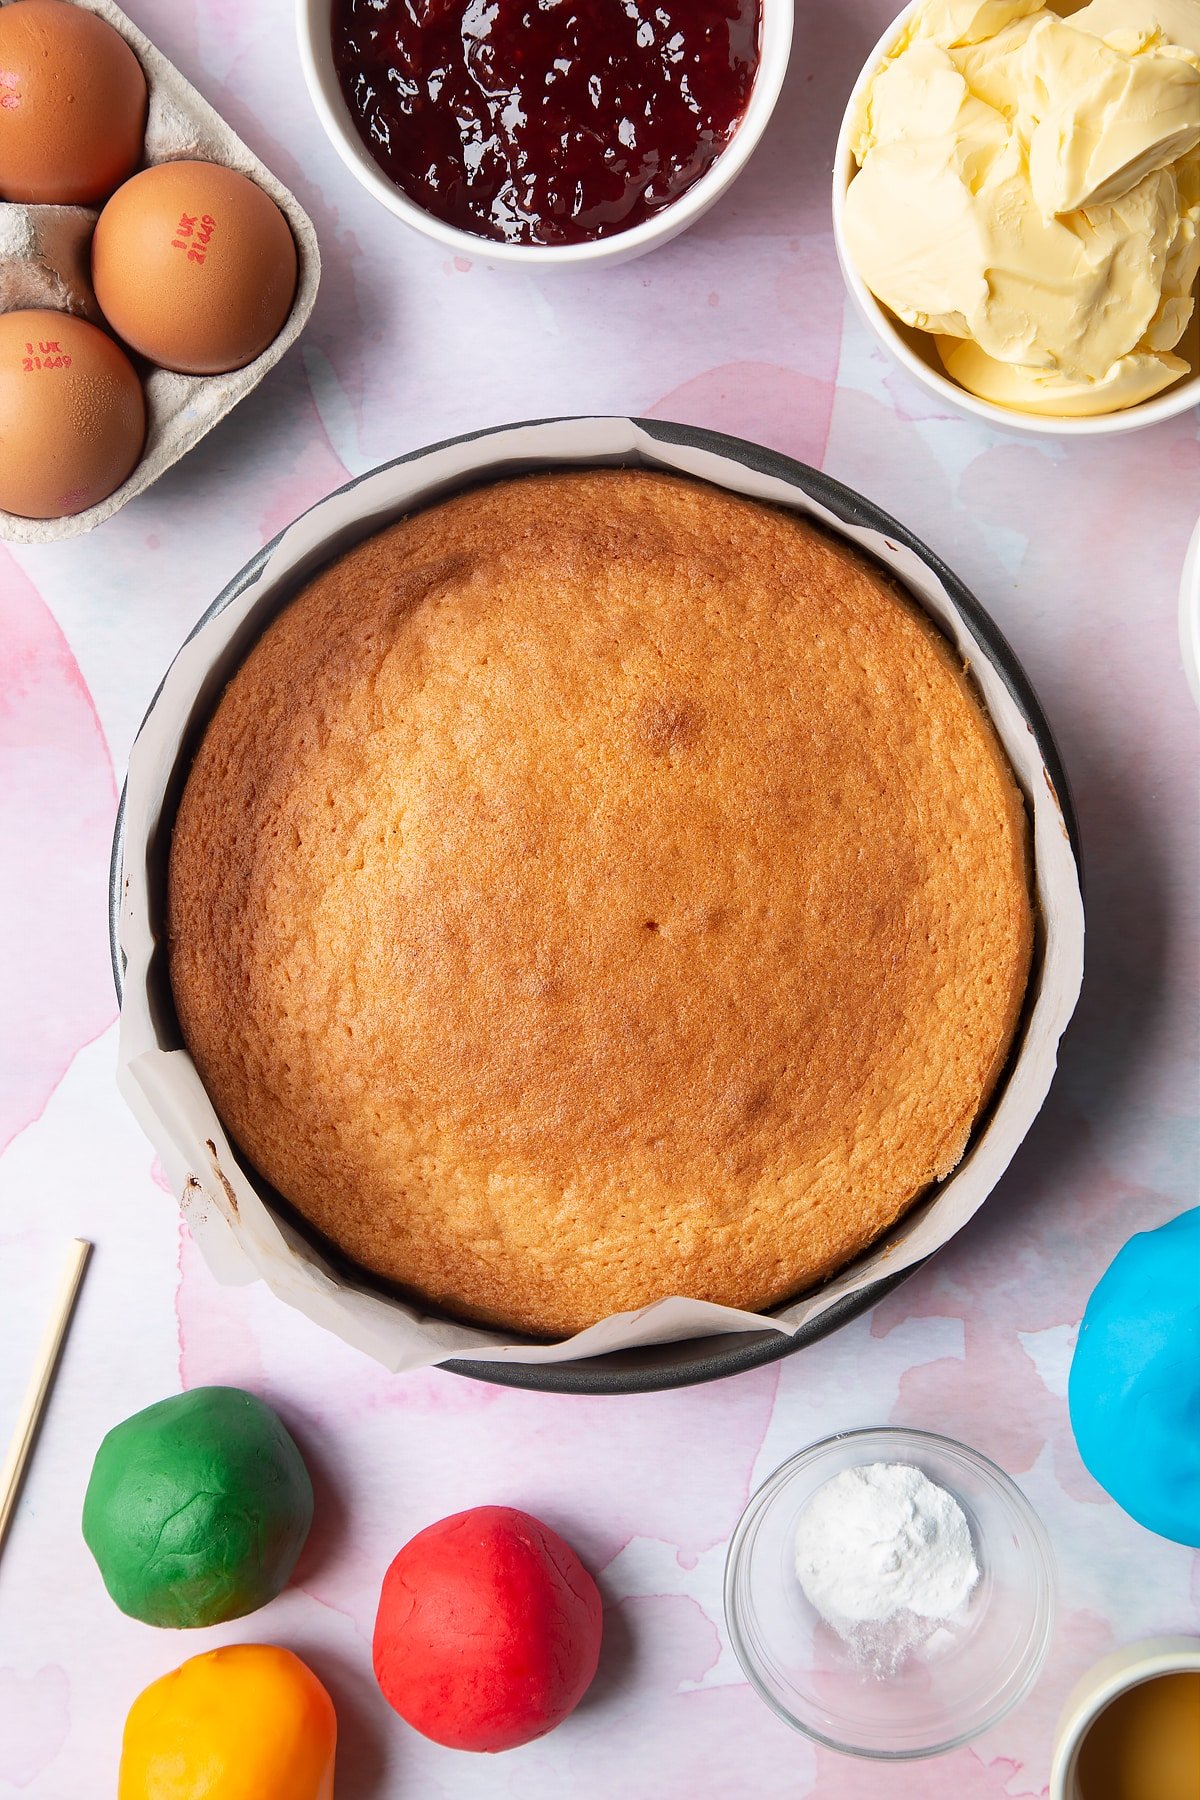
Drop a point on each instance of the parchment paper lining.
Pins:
(241, 1237)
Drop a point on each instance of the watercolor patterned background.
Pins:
(741, 325)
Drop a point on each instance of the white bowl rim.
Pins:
(316, 58)
(896, 1436)
(1170, 405)
(1127, 1667)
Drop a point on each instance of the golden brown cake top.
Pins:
(598, 887)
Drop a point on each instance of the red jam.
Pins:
(545, 121)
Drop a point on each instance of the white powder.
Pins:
(885, 1556)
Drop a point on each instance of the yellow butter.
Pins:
(1102, 120)
(1131, 380)
(1144, 24)
(1030, 186)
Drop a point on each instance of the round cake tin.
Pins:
(960, 1677)
(916, 351)
(355, 511)
(314, 35)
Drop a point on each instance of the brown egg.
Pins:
(72, 415)
(194, 267)
(72, 105)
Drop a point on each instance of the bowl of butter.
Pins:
(1017, 207)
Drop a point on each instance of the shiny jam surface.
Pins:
(545, 121)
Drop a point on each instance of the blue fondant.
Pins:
(1134, 1391)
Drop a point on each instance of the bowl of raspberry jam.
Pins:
(547, 131)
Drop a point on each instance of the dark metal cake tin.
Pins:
(686, 1362)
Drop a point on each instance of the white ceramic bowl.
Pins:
(316, 56)
(970, 1672)
(1189, 616)
(1115, 1675)
(918, 352)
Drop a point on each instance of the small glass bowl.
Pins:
(962, 1679)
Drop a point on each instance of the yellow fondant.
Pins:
(250, 1722)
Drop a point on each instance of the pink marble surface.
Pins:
(1076, 550)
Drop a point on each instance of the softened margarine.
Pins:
(1028, 192)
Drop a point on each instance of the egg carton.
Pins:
(45, 262)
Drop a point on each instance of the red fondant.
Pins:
(488, 1631)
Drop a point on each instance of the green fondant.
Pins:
(197, 1508)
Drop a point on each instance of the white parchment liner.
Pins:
(180, 409)
(241, 1237)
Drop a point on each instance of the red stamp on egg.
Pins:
(193, 235)
(45, 354)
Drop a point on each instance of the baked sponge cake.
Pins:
(599, 887)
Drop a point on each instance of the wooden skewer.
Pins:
(40, 1383)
